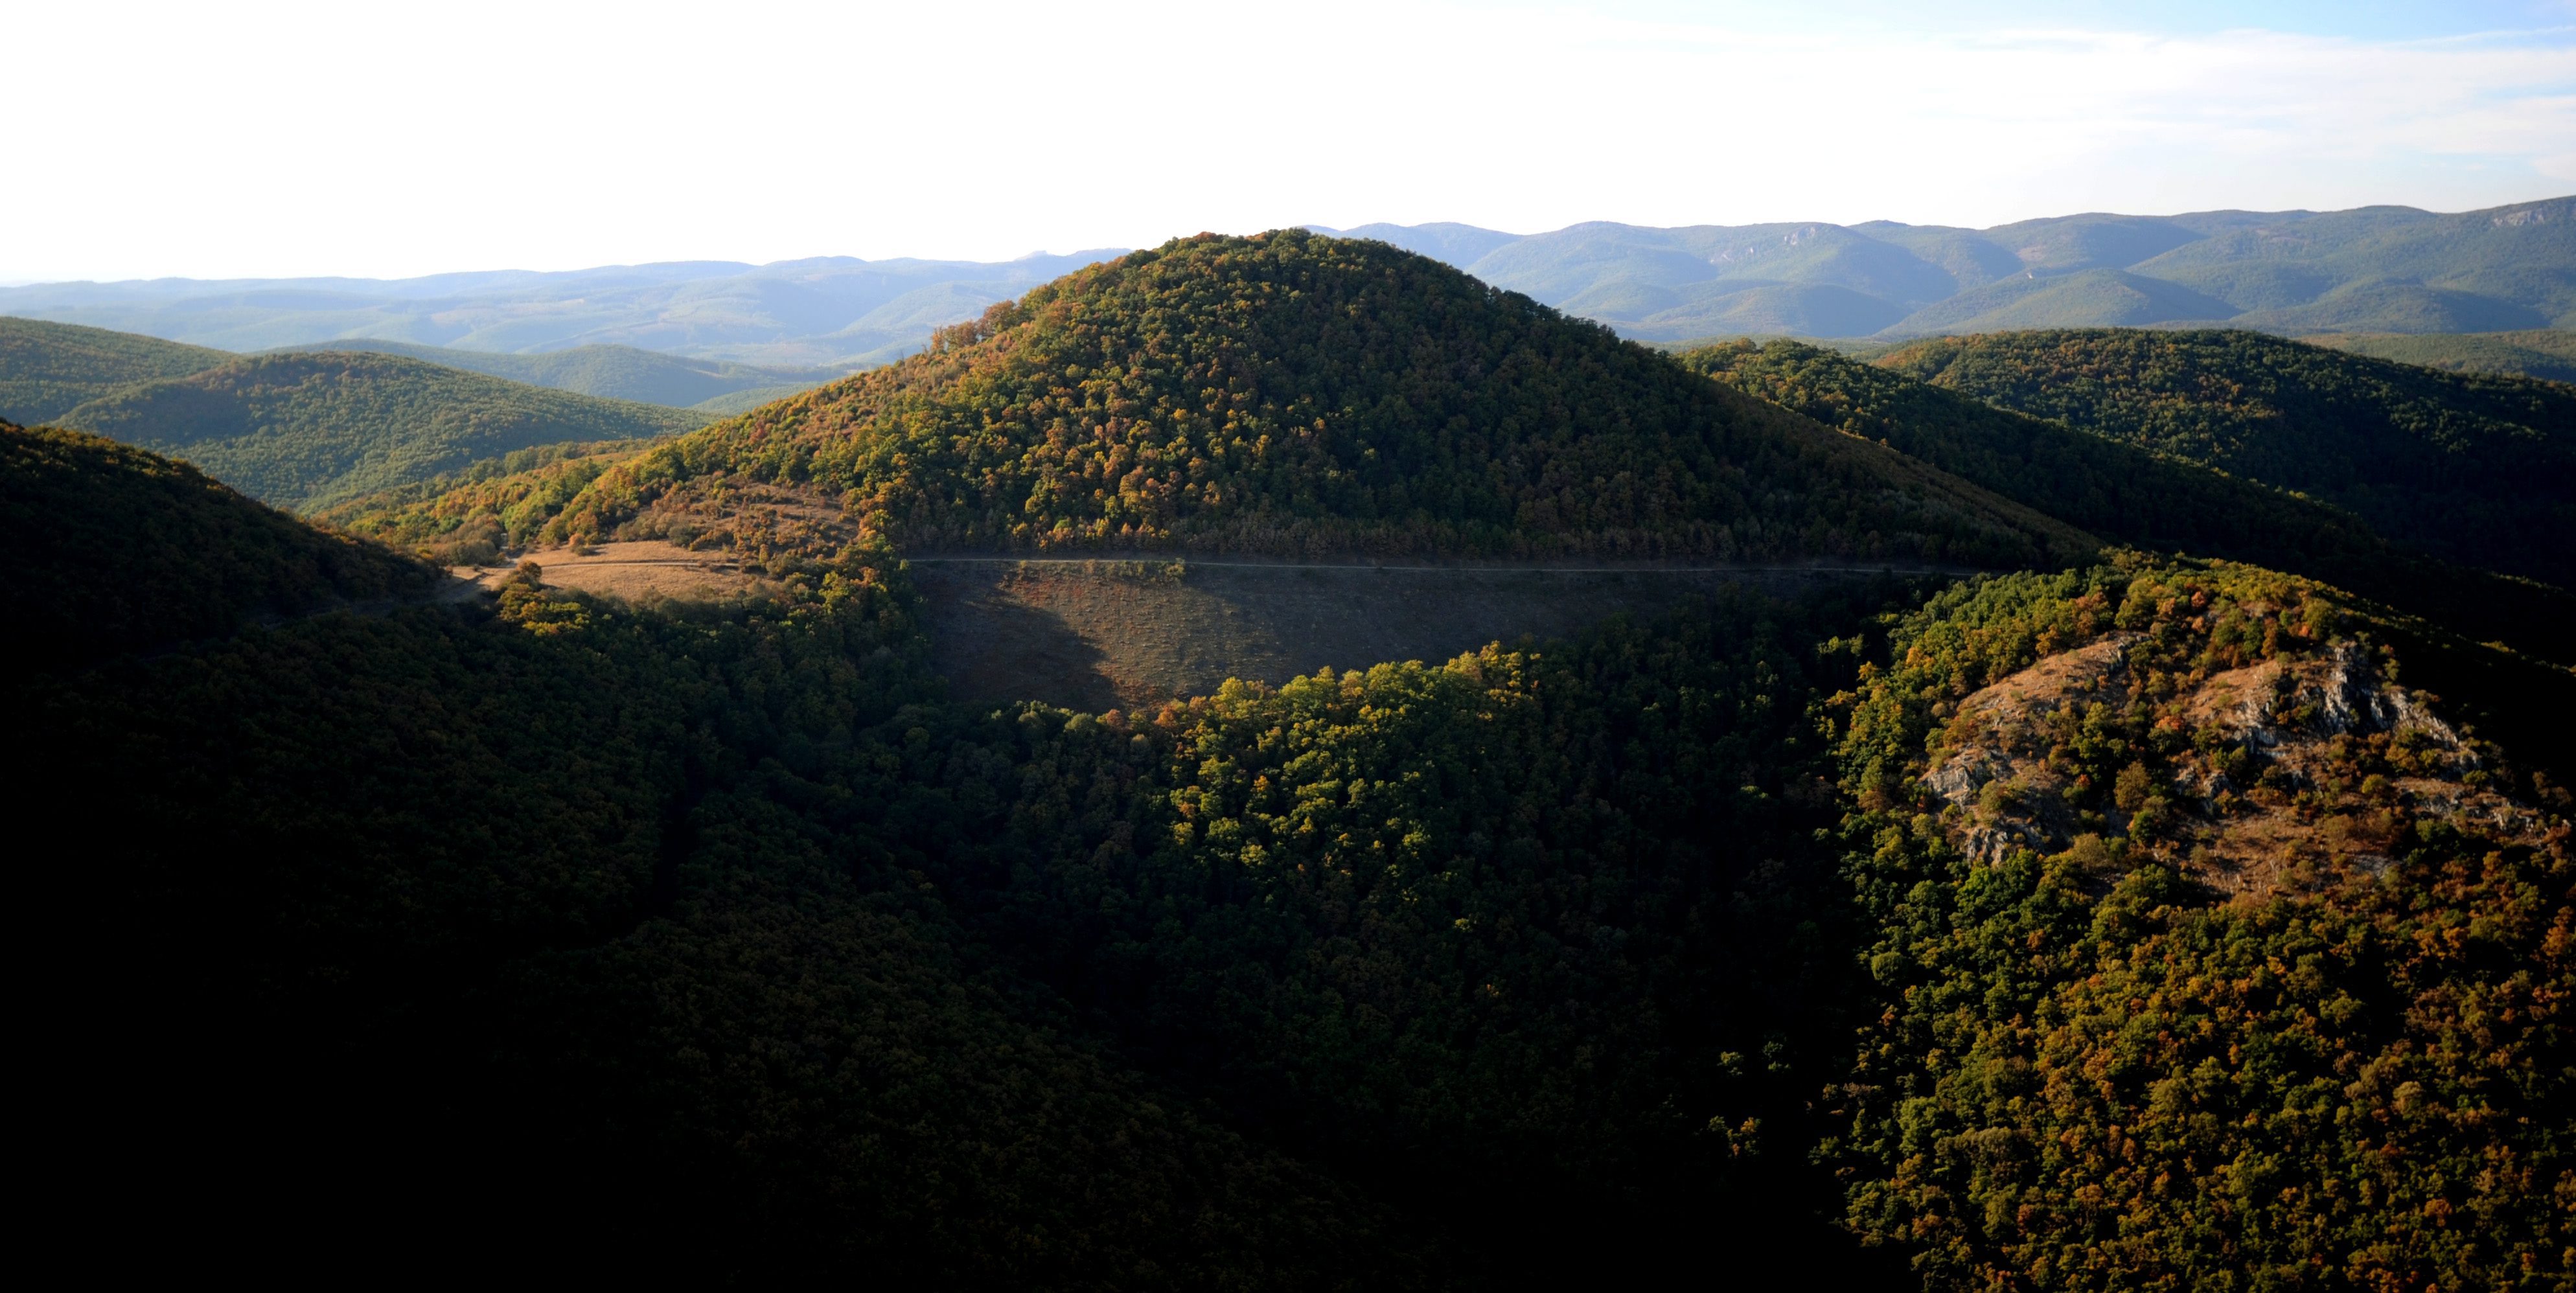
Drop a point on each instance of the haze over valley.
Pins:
(2376, 270)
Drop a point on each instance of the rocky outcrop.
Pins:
(2271, 780)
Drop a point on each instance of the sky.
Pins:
(270, 140)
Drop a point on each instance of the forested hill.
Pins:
(537, 924)
(609, 372)
(303, 430)
(2165, 937)
(2131, 494)
(117, 549)
(2374, 269)
(2546, 353)
(2472, 468)
(47, 369)
(1296, 394)
(2210, 958)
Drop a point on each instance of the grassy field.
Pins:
(641, 571)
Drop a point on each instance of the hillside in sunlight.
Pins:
(608, 372)
(1291, 394)
(303, 430)
(48, 369)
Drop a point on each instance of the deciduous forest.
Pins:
(2138, 859)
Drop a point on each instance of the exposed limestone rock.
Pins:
(2264, 789)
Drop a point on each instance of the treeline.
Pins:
(1293, 394)
(2471, 468)
(120, 550)
(2135, 495)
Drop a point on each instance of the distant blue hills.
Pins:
(2369, 270)
(2372, 270)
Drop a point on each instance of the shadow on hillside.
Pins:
(999, 648)
(1096, 635)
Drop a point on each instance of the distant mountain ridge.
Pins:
(2372, 269)
(827, 311)
(2382, 269)
(608, 372)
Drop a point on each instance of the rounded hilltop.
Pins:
(1292, 394)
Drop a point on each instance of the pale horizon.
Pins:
(1075, 251)
(287, 141)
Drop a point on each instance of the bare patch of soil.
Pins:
(1107, 634)
(636, 570)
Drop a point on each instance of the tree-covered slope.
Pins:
(303, 430)
(2135, 495)
(712, 943)
(2471, 468)
(2211, 955)
(609, 372)
(748, 398)
(117, 549)
(2383, 269)
(2389, 269)
(1296, 394)
(2545, 353)
(529, 928)
(47, 369)
(504, 931)
(471, 515)
(2093, 296)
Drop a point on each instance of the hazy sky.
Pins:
(216, 140)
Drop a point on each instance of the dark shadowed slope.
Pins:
(2134, 495)
(117, 549)
(2471, 468)
(448, 909)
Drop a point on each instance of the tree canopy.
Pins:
(1295, 394)
(2470, 467)
(305, 430)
